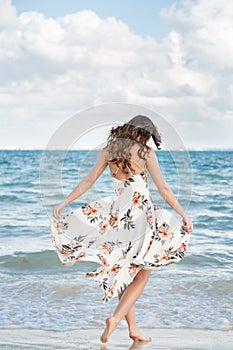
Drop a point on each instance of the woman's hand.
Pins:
(187, 224)
(57, 210)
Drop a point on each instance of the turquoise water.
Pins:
(37, 291)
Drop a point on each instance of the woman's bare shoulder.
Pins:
(104, 152)
(151, 158)
(151, 152)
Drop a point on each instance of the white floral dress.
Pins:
(124, 233)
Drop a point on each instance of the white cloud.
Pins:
(207, 31)
(7, 14)
(51, 68)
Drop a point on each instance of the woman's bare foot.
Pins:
(136, 335)
(111, 324)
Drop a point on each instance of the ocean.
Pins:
(38, 292)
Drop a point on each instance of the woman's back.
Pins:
(137, 164)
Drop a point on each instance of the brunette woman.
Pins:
(125, 233)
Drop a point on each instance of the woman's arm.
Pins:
(84, 185)
(165, 191)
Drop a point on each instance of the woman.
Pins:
(125, 233)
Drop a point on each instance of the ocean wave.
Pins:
(43, 260)
(58, 301)
(48, 260)
(28, 261)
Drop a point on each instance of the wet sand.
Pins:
(84, 339)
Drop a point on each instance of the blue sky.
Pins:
(142, 16)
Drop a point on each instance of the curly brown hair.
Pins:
(121, 139)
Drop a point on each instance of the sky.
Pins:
(60, 58)
(143, 17)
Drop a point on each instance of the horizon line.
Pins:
(92, 149)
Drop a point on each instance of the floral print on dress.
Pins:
(103, 226)
(74, 246)
(134, 269)
(91, 213)
(108, 247)
(139, 200)
(126, 250)
(163, 233)
(123, 234)
(114, 218)
(128, 220)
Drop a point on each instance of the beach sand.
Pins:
(84, 339)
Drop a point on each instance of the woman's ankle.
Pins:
(133, 328)
(115, 319)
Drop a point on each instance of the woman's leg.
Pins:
(127, 301)
(134, 331)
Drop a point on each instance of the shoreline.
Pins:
(162, 338)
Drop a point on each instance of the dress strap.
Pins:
(130, 170)
(115, 173)
(118, 168)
